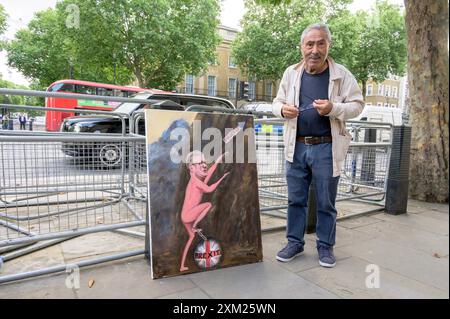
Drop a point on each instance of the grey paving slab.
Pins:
(99, 244)
(348, 280)
(261, 280)
(351, 207)
(272, 243)
(425, 207)
(51, 256)
(130, 279)
(411, 251)
(356, 222)
(268, 222)
(427, 242)
(195, 293)
(409, 262)
(345, 236)
(417, 221)
(48, 287)
(438, 214)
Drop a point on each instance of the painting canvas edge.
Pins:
(149, 217)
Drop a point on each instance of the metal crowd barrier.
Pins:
(55, 186)
(47, 195)
(363, 177)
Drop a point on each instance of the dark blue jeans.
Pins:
(311, 163)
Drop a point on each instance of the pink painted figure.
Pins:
(193, 209)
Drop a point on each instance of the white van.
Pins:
(381, 114)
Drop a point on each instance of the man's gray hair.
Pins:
(316, 26)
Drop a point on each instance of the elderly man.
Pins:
(315, 98)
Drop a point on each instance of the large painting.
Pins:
(203, 192)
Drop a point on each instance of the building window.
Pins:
(213, 62)
(268, 91)
(379, 104)
(369, 90)
(251, 90)
(231, 87)
(387, 90)
(369, 104)
(386, 104)
(189, 84)
(231, 63)
(211, 85)
(394, 105)
(380, 89)
(394, 91)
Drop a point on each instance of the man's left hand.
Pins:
(323, 106)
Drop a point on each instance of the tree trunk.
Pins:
(364, 85)
(139, 77)
(427, 32)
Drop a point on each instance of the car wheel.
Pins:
(110, 155)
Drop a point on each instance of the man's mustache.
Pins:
(315, 56)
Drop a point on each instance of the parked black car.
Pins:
(109, 155)
(173, 101)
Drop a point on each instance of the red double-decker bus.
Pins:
(53, 119)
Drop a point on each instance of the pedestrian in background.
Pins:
(30, 121)
(22, 121)
(5, 121)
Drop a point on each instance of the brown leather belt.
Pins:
(312, 140)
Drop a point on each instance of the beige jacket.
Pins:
(343, 92)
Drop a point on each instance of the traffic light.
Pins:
(243, 90)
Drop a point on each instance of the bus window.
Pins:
(62, 87)
(105, 92)
(84, 89)
(120, 93)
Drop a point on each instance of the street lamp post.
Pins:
(236, 92)
(5, 101)
(114, 72)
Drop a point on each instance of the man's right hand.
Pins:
(289, 111)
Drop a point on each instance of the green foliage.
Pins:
(19, 100)
(155, 42)
(158, 40)
(381, 44)
(370, 45)
(270, 38)
(272, 2)
(14, 99)
(38, 51)
(3, 23)
(44, 53)
(3, 19)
